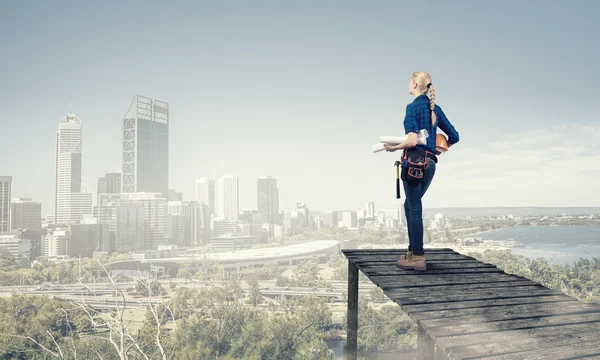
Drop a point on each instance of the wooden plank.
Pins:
(394, 257)
(489, 294)
(400, 291)
(431, 265)
(432, 272)
(393, 251)
(520, 339)
(419, 280)
(467, 316)
(507, 323)
(461, 303)
(575, 349)
(412, 310)
(478, 346)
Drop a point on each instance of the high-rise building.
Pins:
(369, 209)
(205, 193)
(268, 199)
(5, 191)
(145, 156)
(110, 184)
(228, 201)
(73, 201)
(25, 214)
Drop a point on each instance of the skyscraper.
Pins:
(73, 201)
(369, 209)
(5, 190)
(268, 199)
(228, 201)
(145, 156)
(205, 193)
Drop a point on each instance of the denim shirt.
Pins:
(418, 116)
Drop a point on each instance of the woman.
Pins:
(422, 113)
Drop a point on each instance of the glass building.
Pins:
(145, 157)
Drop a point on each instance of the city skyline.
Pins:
(305, 106)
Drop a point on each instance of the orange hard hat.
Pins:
(441, 143)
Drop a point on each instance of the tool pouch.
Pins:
(414, 163)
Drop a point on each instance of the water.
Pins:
(560, 244)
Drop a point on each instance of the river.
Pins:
(558, 244)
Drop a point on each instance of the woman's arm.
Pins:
(410, 142)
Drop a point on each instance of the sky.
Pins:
(301, 90)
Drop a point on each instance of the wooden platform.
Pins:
(467, 309)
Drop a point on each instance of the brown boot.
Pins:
(408, 255)
(415, 262)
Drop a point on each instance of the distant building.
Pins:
(145, 157)
(73, 201)
(330, 219)
(175, 195)
(110, 184)
(138, 220)
(268, 200)
(5, 196)
(56, 241)
(87, 239)
(18, 248)
(25, 214)
(228, 197)
(231, 241)
(205, 193)
(369, 209)
(184, 223)
(349, 220)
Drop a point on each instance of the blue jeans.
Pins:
(414, 209)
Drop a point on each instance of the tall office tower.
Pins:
(205, 193)
(5, 189)
(228, 200)
(25, 214)
(110, 184)
(145, 157)
(73, 201)
(369, 209)
(268, 199)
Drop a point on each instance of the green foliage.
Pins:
(581, 280)
(149, 288)
(42, 319)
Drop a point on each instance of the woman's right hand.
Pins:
(389, 148)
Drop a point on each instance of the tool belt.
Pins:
(414, 163)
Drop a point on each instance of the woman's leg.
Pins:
(407, 214)
(414, 205)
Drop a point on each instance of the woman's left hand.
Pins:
(389, 148)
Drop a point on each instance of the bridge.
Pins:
(467, 309)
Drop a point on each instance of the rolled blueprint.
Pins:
(394, 140)
(421, 136)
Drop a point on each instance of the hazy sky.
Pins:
(301, 91)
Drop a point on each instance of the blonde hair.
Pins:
(422, 79)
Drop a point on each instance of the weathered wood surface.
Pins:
(467, 309)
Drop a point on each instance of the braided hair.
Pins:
(423, 79)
